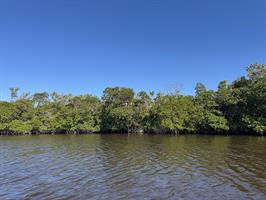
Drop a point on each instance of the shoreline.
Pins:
(237, 107)
(140, 134)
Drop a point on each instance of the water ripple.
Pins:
(132, 167)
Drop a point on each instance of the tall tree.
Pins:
(117, 110)
(13, 93)
(40, 99)
(200, 88)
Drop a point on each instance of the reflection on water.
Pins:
(132, 167)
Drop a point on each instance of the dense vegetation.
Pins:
(239, 107)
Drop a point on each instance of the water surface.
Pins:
(132, 167)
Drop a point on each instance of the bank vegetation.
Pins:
(235, 108)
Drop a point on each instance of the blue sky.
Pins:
(83, 46)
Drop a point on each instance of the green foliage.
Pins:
(256, 72)
(19, 127)
(13, 93)
(175, 114)
(210, 117)
(40, 99)
(239, 107)
(215, 123)
(247, 112)
(200, 88)
(7, 112)
(117, 111)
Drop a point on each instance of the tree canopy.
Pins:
(239, 107)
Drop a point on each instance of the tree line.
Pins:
(235, 108)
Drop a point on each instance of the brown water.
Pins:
(132, 167)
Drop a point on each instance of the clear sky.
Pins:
(83, 46)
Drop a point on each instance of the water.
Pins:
(132, 167)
